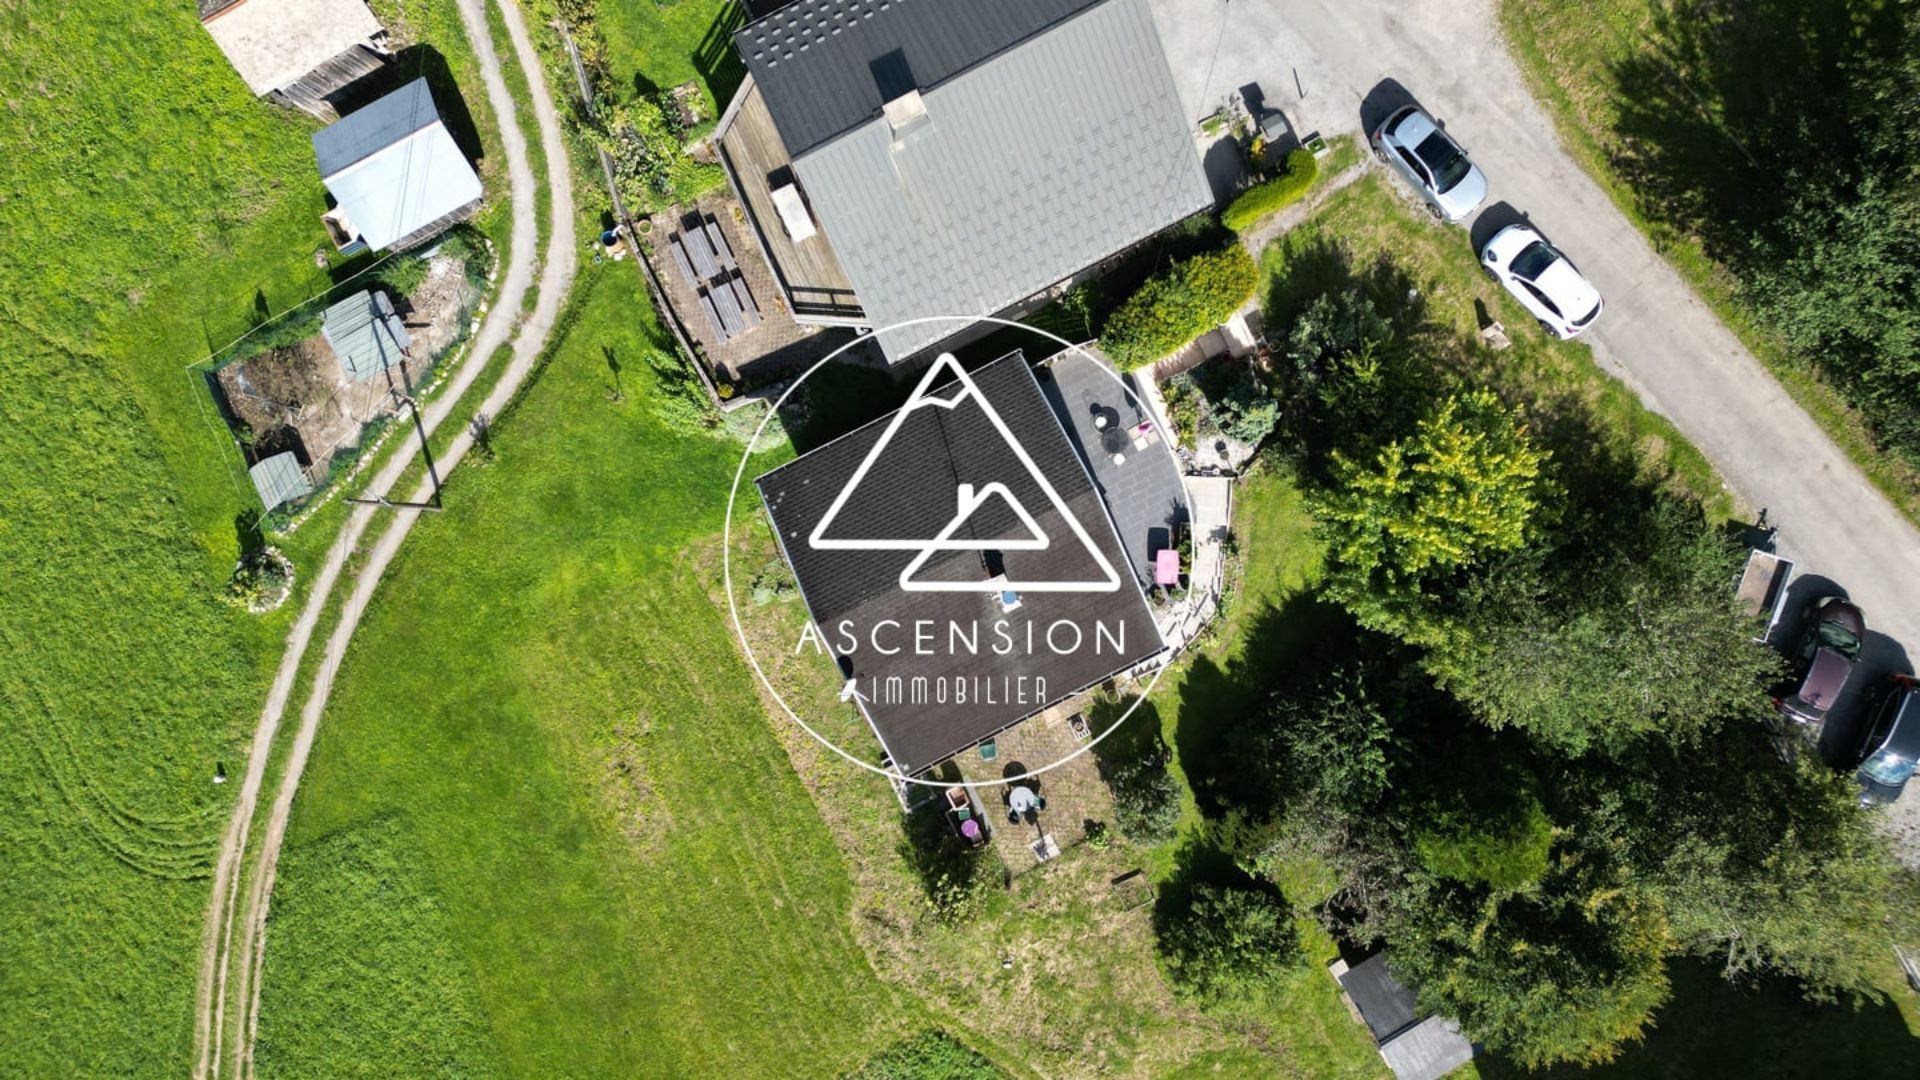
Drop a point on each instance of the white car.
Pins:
(1415, 147)
(1543, 280)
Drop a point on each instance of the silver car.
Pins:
(1417, 149)
(1543, 280)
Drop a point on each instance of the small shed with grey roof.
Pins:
(279, 479)
(365, 333)
(297, 51)
(1414, 1047)
(964, 155)
(395, 171)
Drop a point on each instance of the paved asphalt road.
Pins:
(1329, 63)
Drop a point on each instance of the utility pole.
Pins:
(426, 451)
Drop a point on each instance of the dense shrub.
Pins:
(678, 399)
(930, 1055)
(1503, 851)
(643, 138)
(1146, 802)
(1269, 196)
(1464, 487)
(1330, 741)
(1238, 403)
(1567, 971)
(403, 274)
(1183, 407)
(1226, 942)
(1179, 304)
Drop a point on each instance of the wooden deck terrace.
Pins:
(756, 162)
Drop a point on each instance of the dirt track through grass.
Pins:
(230, 968)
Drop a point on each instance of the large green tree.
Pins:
(1569, 969)
(1463, 486)
(1837, 272)
(1763, 864)
(1593, 648)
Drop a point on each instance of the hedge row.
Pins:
(1179, 304)
(1270, 195)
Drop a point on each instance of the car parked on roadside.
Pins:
(1545, 282)
(1824, 661)
(1413, 145)
(1890, 746)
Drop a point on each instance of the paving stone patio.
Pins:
(1074, 792)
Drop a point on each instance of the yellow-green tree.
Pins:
(1464, 485)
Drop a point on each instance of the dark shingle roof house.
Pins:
(1414, 1047)
(298, 52)
(960, 156)
(980, 578)
(395, 172)
(365, 334)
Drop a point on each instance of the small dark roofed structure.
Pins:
(279, 479)
(395, 171)
(1415, 1048)
(365, 334)
(946, 635)
(962, 156)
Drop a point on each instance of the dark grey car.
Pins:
(1891, 745)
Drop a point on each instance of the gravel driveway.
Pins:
(1353, 56)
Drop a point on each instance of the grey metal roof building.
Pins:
(964, 155)
(278, 479)
(395, 170)
(365, 334)
(927, 458)
(1415, 1048)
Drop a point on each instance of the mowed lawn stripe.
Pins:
(548, 695)
(146, 198)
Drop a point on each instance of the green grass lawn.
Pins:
(379, 950)
(152, 209)
(657, 46)
(1656, 117)
(547, 701)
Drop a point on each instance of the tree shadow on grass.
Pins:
(1760, 1032)
(1135, 741)
(842, 396)
(1284, 646)
(715, 58)
(1705, 133)
(952, 872)
(1203, 858)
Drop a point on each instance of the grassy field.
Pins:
(378, 949)
(659, 46)
(1654, 109)
(547, 701)
(153, 209)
